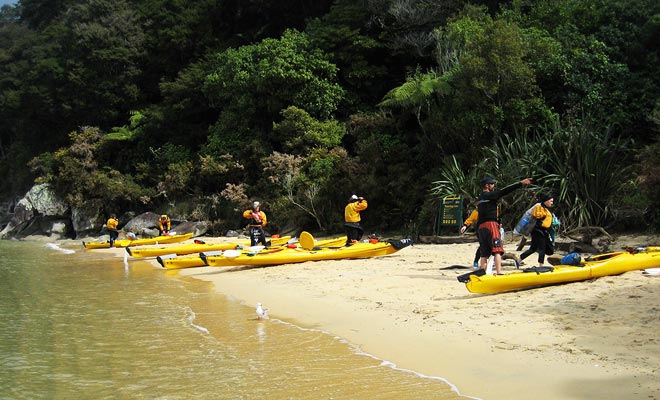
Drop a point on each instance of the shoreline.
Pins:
(593, 339)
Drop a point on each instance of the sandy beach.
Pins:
(597, 339)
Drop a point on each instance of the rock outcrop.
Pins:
(42, 213)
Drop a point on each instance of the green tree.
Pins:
(76, 175)
(101, 44)
(252, 84)
(305, 176)
(496, 87)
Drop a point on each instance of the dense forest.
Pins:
(195, 108)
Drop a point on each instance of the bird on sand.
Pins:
(262, 313)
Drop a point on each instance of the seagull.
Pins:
(262, 313)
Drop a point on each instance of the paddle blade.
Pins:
(306, 240)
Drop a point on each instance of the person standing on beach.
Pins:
(112, 224)
(164, 225)
(488, 228)
(541, 240)
(352, 219)
(256, 225)
(471, 220)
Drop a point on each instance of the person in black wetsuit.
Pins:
(488, 228)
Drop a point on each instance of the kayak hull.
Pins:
(290, 256)
(186, 261)
(191, 261)
(595, 267)
(191, 248)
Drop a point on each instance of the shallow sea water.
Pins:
(85, 325)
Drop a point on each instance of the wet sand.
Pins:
(594, 339)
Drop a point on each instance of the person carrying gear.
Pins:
(164, 225)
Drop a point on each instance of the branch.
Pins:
(588, 232)
(311, 193)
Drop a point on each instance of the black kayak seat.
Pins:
(539, 270)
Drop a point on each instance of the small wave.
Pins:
(383, 363)
(57, 247)
(191, 319)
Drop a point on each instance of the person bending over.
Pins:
(164, 224)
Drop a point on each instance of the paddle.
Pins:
(306, 240)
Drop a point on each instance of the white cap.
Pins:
(255, 204)
(354, 197)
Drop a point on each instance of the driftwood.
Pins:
(446, 239)
(586, 234)
(577, 247)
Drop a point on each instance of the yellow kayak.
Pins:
(594, 267)
(139, 242)
(198, 260)
(171, 261)
(190, 248)
(298, 255)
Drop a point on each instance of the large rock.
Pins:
(45, 202)
(86, 221)
(197, 228)
(39, 213)
(143, 225)
(23, 212)
(53, 228)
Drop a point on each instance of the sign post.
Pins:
(451, 213)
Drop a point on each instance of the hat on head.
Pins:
(255, 204)
(486, 180)
(543, 197)
(354, 197)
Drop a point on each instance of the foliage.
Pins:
(127, 132)
(251, 86)
(354, 46)
(420, 92)
(311, 166)
(299, 132)
(586, 183)
(456, 181)
(286, 71)
(76, 175)
(589, 180)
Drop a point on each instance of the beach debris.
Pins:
(262, 313)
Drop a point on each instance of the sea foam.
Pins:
(191, 319)
(57, 247)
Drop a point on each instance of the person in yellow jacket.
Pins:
(541, 240)
(164, 225)
(111, 225)
(352, 219)
(257, 221)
